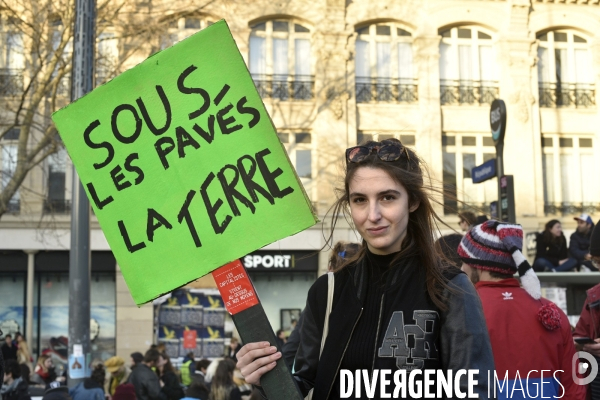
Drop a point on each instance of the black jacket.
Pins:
(551, 251)
(20, 392)
(146, 383)
(579, 244)
(9, 352)
(172, 388)
(456, 338)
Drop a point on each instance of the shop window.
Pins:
(12, 303)
(467, 67)
(565, 72)
(569, 168)
(461, 153)
(384, 64)
(280, 60)
(51, 315)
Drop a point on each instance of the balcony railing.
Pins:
(285, 87)
(571, 208)
(57, 206)
(578, 95)
(386, 90)
(468, 92)
(11, 81)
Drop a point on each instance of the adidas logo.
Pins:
(507, 296)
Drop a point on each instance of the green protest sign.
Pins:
(182, 164)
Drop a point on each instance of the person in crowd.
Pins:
(125, 391)
(528, 332)
(588, 325)
(466, 220)
(222, 386)
(481, 219)
(14, 386)
(169, 381)
(552, 254)
(117, 373)
(9, 349)
(197, 392)
(579, 242)
(23, 353)
(145, 381)
(199, 377)
(232, 349)
(25, 373)
(56, 392)
(396, 277)
(44, 372)
(340, 252)
(448, 246)
(280, 338)
(188, 366)
(136, 358)
(90, 388)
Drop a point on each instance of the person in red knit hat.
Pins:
(530, 336)
(588, 325)
(125, 391)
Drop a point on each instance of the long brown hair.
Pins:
(410, 171)
(548, 238)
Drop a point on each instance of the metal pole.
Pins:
(499, 174)
(79, 259)
(29, 301)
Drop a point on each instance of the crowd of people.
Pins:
(149, 376)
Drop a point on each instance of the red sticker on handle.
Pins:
(235, 287)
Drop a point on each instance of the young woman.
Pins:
(168, 379)
(395, 305)
(222, 386)
(91, 388)
(23, 354)
(552, 253)
(44, 372)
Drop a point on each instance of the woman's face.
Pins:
(161, 362)
(379, 207)
(48, 363)
(556, 229)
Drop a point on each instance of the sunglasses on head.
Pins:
(390, 151)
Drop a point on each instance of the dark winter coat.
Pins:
(87, 390)
(145, 381)
(9, 352)
(458, 338)
(552, 251)
(579, 244)
(172, 388)
(19, 392)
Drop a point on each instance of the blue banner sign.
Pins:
(483, 172)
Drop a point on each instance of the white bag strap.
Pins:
(330, 288)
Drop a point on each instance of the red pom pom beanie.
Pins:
(496, 246)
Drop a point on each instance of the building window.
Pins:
(12, 60)
(462, 152)
(467, 67)
(407, 139)
(107, 57)
(8, 165)
(179, 28)
(300, 150)
(384, 64)
(58, 200)
(565, 70)
(63, 87)
(570, 171)
(280, 60)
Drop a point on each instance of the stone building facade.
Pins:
(335, 73)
